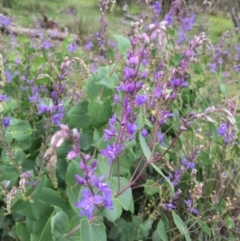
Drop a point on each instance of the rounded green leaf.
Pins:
(161, 230)
(78, 115)
(92, 232)
(99, 112)
(113, 214)
(19, 130)
(126, 197)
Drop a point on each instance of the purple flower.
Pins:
(89, 45)
(190, 208)
(46, 44)
(141, 99)
(88, 203)
(187, 164)
(106, 191)
(164, 116)
(43, 108)
(111, 151)
(169, 19)
(8, 76)
(6, 121)
(72, 155)
(80, 180)
(5, 21)
(131, 128)
(4, 98)
(160, 137)
(57, 117)
(144, 132)
(213, 67)
(113, 120)
(72, 47)
(108, 134)
(34, 98)
(168, 206)
(222, 130)
(157, 7)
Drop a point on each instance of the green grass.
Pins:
(86, 21)
(218, 26)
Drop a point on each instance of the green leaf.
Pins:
(75, 222)
(123, 44)
(150, 187)
(204, 158)
(126, 197)
(99, 112)
(9, 106)
(79, 117)
(95, 89)
(86, 139)
(103, 165)
(107, 82)
(59, 224)
(91, 232)
(19, 130)
(144, 146)
(45, 234)
(204, 227)
(181, 226)
(223, 89)
(73, 191)
(113, 214)
(161, 230)
(22, 231)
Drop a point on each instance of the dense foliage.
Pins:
(131, 138)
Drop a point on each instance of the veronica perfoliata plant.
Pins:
(131, 146)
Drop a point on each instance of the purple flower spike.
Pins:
(88, 203)
(141, 99)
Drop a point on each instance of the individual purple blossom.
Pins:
(88, 203)
(144, 132)
(113, 120)
(46, 44)
(56, 119)
(8, 76)
(169, 19)
(190, 208)
(106, 191)
(168, 206)
(160, 137)
(72, 47)
(222, 130)
(131, 128)
(6, 121)
(89, 45)
(188, 164)
(80, 180)
(157, 7)
(109, 133)
(43, 108)
(164, 116)
(4, 98)
(111, 151)
(213, 67)
(5, 21)
(141, 99)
